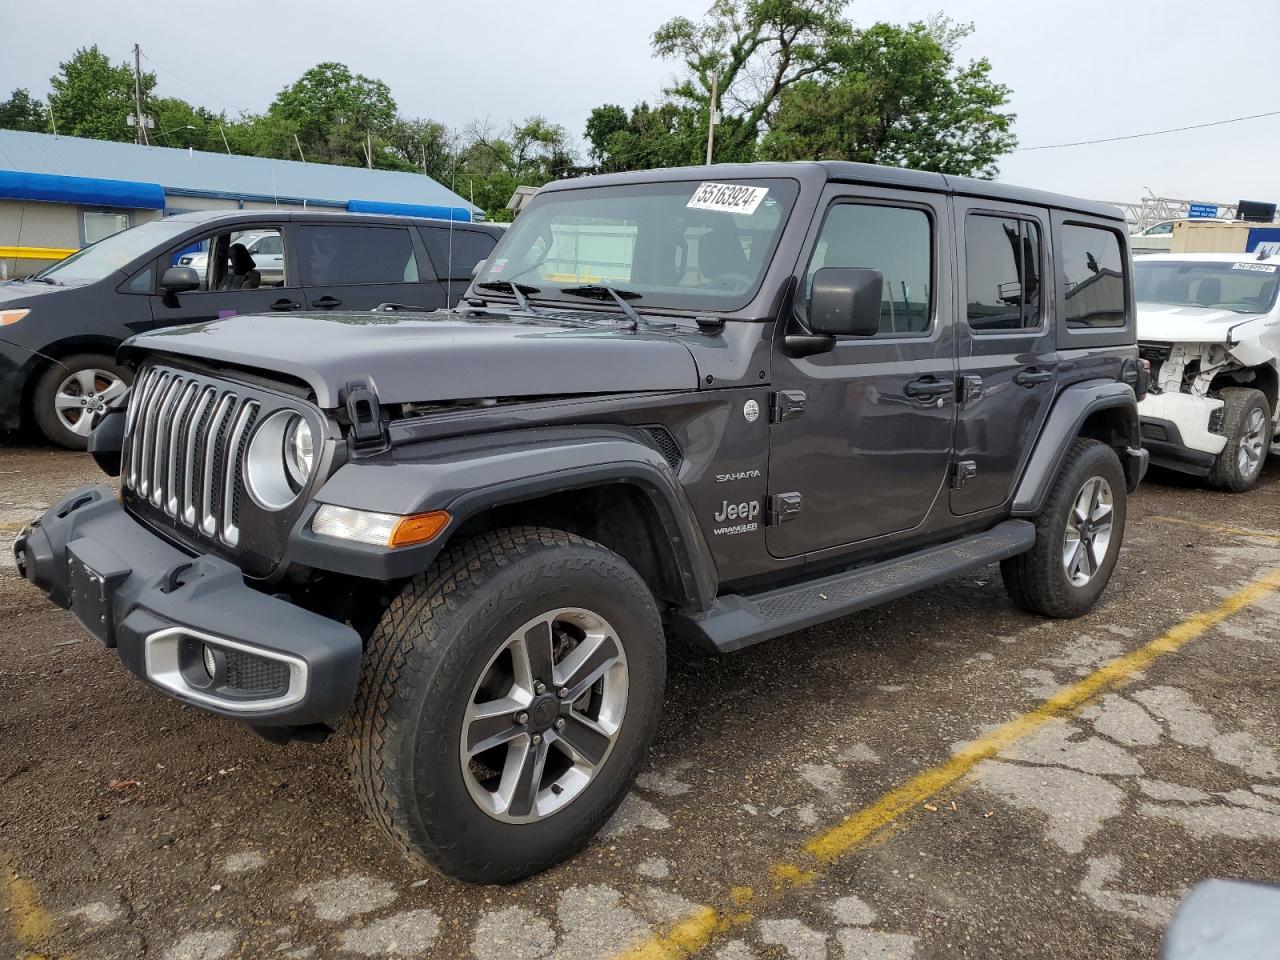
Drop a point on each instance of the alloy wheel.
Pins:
(1088, 531)
(544, 715)
(82, 395)
(1252, 441)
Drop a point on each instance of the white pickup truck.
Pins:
(1209, 325)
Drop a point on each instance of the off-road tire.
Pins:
(429, 650)
(46, 388)
(1036, 580)
(1240, 404)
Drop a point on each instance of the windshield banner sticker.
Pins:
(1255, 267)
(727, 198)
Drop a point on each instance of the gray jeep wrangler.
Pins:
(713, 405)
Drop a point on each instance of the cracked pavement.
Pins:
(146, 829)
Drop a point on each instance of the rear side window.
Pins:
(898, 242)
(347, 255)
(1095, 292)
(1002, 257)
(468, 247)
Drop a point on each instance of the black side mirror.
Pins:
(179, 280)
(475, 271)
(845, 302)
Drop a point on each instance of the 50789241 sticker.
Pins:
(727, 197)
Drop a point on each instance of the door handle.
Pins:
(327, 302)
(930, 388)
(286, 305)
(1031, 376)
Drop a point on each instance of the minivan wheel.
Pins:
(506, 702)
(69, 393)
(1078, 536)
(1247, 426)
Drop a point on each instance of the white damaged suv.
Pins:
(1209, 325)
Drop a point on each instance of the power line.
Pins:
(193, 86)
(1152, 133)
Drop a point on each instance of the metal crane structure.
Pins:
(1152, 210)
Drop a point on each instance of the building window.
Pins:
(98, 226)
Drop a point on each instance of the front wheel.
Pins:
(1247, 425)
(507, 699)
(1078, 536)
(69, 393)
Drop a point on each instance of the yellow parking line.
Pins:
(29, 921)
(706, 924)
(1218, 528)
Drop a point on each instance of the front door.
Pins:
(231, 282)
(1008, 358)
(869, 453)
(358, 266)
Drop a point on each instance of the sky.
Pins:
(1079, 70)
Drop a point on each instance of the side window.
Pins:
(236, 259)
(469, 248)
(1094, 294)
(897, 241)
(339, 255)
(1002, 270)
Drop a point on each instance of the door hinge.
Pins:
(970, 389)
(787, 405)
(964, 471)
(783, 507)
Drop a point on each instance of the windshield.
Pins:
(687, 244)
(114, 252)
(1245, 286)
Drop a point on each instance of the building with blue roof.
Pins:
(58, 194)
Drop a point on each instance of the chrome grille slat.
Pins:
(231, 471)
(191, 465)
(164, 421)
(208, 521)
(189, 394)
(147, 432)
(138, 413)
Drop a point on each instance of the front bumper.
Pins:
(1178, 430)
(15, 366)
(275, 664)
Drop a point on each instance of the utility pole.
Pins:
(368, 149)
(52, 122)
(140, 134)
(714, 117)
(298, 143)
(224, 139)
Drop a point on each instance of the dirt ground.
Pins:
(132, 827)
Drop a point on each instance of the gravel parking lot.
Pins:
(940, 777)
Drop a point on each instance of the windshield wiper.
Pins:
(599, 291)
(517, 290)
(34, 278)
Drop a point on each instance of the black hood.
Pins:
(424, 358)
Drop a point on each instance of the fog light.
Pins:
(210, 662)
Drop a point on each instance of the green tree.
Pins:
(668, 135)
(333, 113)
(23, 112)
(423, 145)
(490, 167)
(757, 50)
(91, 98)
(897, 95)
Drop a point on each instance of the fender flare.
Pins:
(469, 475)
(1072, 408)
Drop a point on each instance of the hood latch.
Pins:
(364, 411)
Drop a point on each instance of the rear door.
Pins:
(865, 449)
(356, 266)
(455, 252)
(1007, 352)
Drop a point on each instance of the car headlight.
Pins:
(279, 460)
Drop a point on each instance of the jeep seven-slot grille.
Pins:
(185, 442)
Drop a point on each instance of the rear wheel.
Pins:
(71, 392)
(507, 700)
(1078, 536)
(1247, 426)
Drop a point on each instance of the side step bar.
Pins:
(736, 621)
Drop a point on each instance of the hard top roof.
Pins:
(812, 173)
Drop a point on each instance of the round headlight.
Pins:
(279, 460)
(299, 452)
